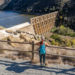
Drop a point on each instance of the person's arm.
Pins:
(46, 44)
(38, 43)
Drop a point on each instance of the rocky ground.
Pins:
(23, 67)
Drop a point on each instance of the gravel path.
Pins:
(23, 67)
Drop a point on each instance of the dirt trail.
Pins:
(23, 67)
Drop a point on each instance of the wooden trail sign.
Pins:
(44, 23)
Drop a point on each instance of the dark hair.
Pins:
(41, 42)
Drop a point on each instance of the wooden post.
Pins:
(32, 50)
(60, 58)
(8, 41)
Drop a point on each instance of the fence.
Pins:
(34, 51)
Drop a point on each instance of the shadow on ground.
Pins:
(21, 67)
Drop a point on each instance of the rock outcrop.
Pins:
(2, 2)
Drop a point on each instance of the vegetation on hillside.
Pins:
(63, 36)
(66, 15)
(36, 6)
(62, 30)
(59, 40)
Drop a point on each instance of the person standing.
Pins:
(42, 51)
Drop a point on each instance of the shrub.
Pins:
(59, 41)
(53, 29)
(56, 37)
(68, 42)
(66, 31)
(72, 34)
(73, 42)
(53, 42)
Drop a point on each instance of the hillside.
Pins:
(1, 2)
(36, 6)
(68, 13)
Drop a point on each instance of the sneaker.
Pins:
(40, 64)
(44, 65)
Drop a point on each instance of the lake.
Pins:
(10, 18)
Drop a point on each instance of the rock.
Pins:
(22, 36)
(26, 38)
(14, 39)
(46, 63)
(9, 31)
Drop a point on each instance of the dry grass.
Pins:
(1, 51)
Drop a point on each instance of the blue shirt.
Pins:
(42, 49)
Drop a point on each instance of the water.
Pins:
(10, 18)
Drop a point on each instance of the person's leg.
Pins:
(40, 59)
(44, 59)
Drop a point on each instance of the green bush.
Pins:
(56, 37)
(60, 41)
(72, 34)
(66, 31)
(53, 29)
(73, 42)
(55, 43)
(68, 42)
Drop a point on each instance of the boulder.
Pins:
(14, 39)
(9, 31)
